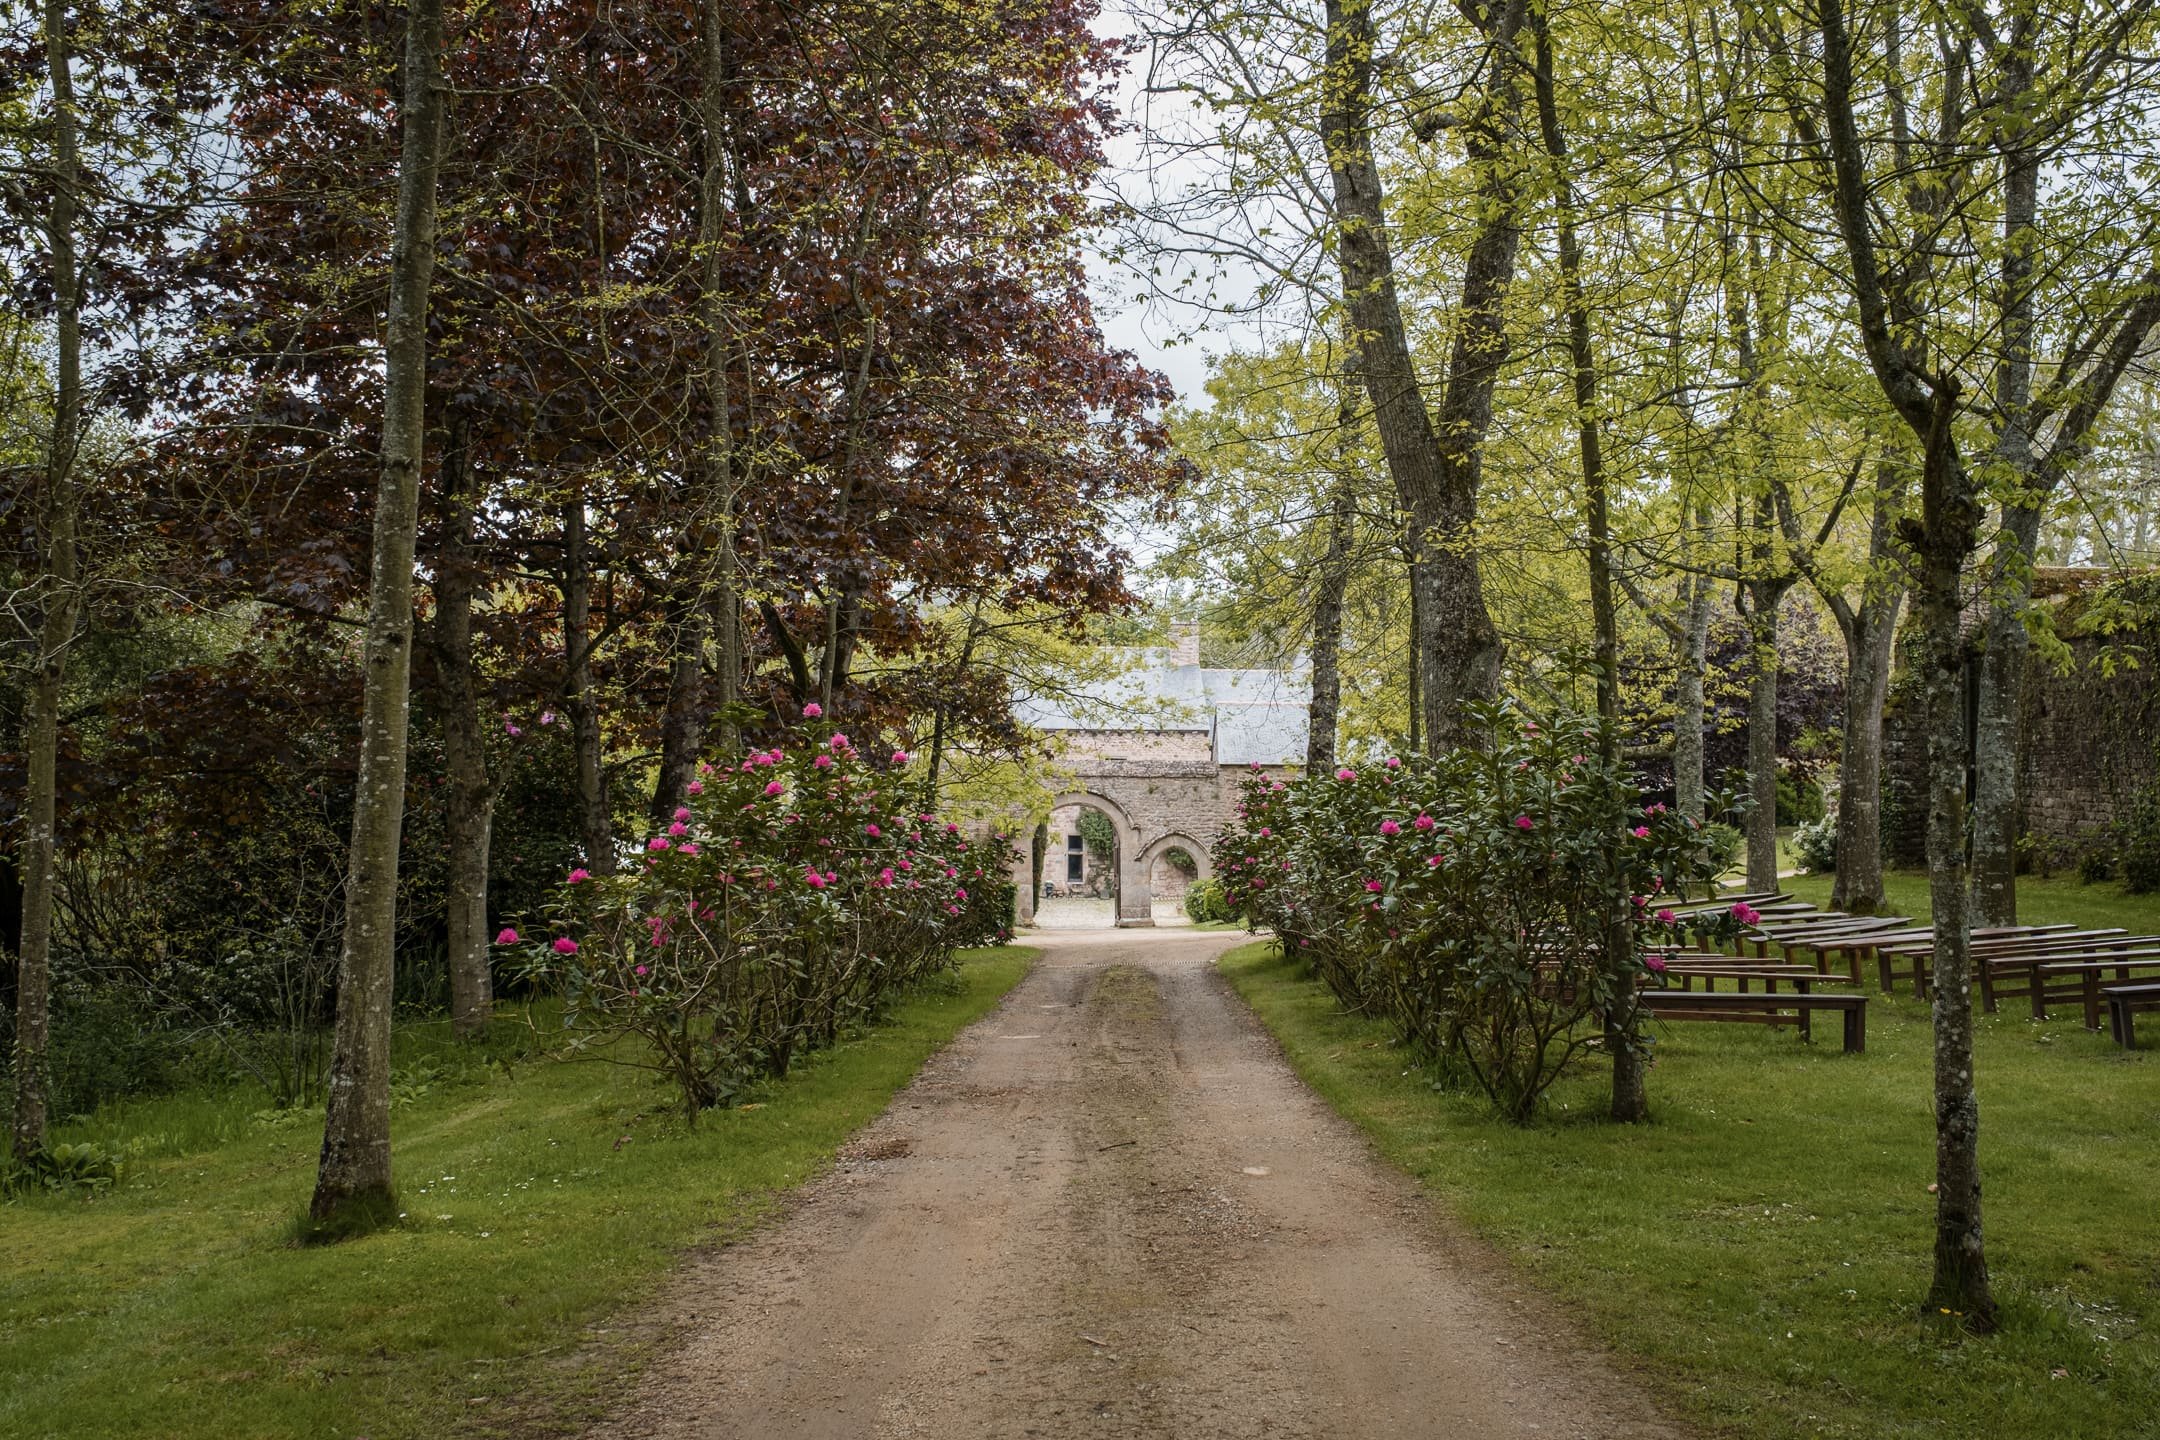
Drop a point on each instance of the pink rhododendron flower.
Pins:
(1393, 763)
(1666, 917)
(1640, 832)
(884, 878)
(1375, 886)
(839, 741)
(1524, 822)
(508, 937)
(686, 849)
(815, 880)
(1266, 833)
(678, 828)
(581, 873)
(812, 710)
(775, 788)
(1656, 963)
(682, 812)
(637, 969)
(823, 762)
(564, 945)
(899, 757)
(1423, 822)
(697, 787)
(1346, 773)
(872, 830)
(1575, 759)
(1390, 829)
(510, 729)
(1436, 862)
(658, 842)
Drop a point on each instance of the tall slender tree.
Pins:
(353, 1185)
(58, 599)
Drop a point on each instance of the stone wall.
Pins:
(2086, 744)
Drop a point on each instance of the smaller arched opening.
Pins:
(1172, 864)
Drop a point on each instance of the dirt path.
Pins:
(1110, 1209)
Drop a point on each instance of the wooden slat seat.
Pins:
(1919, 955)
(1763, 1009)
(2091, 972)
(2122, 1001)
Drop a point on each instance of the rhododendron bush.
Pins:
(787, 900)
(1498, 907)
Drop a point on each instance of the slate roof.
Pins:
(1253, 715)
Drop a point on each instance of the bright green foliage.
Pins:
(1206, 903)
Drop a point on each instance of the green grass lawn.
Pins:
(540, 1204)
(2057, 900)
(1760, 1249)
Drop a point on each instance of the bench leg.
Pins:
(1856, 1030)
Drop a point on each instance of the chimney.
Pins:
(1184, 642)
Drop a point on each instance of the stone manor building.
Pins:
(1159, 749)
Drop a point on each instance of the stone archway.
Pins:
(1134, 903)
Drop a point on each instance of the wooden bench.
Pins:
(2027, 973)
(1919, 953)
(1851, 939)
(2122, 1000)
(2091, 972)
(1762, 1009)
(1799, 977)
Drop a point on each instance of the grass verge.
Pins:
(1760, 1248)
(539, 1205)
(2055, 900)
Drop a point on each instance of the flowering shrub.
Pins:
(1499, 907)
(787, 899)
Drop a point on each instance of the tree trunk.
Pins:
(595, 821)
(1688, 706)
(682, 724)
(59, 597)
(2002, 670)
(1762, 748)
(1436, 471)
(1870, 631)
(469, 803)
(1325, 710)
(722, 480)
(1858, 886)
(353, 1187)
(2002, 661)
(1942, 543)
(1622, 1019)
(1950, 529)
